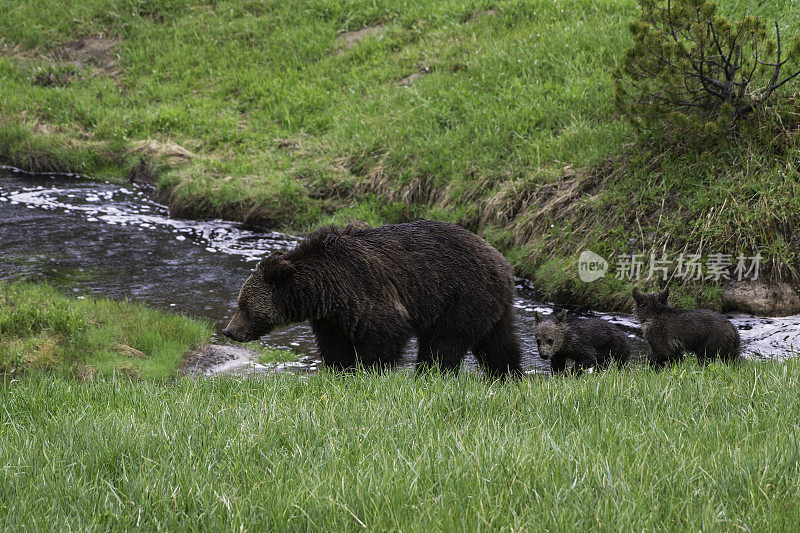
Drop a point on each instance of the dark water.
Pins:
(94, 238)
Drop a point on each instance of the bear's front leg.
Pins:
(661, 354)
(558, 365)
(335, 348)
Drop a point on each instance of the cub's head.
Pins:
(550, 333)
(650, 304)
(258, 309)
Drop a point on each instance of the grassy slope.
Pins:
(693, 449)
(41, 329)
(512, 131)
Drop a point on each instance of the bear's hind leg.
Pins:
(498, 351)
(733, 350)
(440, 352)
(620, 349)
(713, 349)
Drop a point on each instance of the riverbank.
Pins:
(43, 331)
(497, 117)
(696, 448)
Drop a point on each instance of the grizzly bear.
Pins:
(587, 342)
(366, 291)
(671, 332)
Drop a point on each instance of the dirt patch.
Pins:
(481, 14)
(350, 39)
(14, 50)
(55, 75)
(95, 50)
(414, 76)
(411, 78)
(215, 359)
(127, 351)
(86, 373)
(40, 128)
(286, 144)
(172, 153)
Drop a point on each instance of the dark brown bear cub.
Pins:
(588, 342)
(366, 291)
(671, 332)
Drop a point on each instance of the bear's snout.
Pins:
(239, 330)
(234, 336)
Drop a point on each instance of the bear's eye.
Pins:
(550, 341)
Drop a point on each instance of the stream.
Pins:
(93, 238)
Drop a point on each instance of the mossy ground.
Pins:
(495, 115)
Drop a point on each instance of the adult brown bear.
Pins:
(366, 291)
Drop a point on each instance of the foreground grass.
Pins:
(43, 330)
(496, 115)
(711, 448)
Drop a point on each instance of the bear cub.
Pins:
(671, 332)
(588, 342)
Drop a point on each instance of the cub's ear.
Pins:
(664, 295)
(637, 295)
(561, 315)
(537, 316)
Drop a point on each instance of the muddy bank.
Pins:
(226, 359)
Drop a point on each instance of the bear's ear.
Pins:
(263, 265)
(330, 240)
(275, 267)
(637, 295)
(537, 316)
(561, 315)
(663, 296)
(280, 270)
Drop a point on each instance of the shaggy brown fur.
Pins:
(366, 291)
(671, 332)
(588, 342)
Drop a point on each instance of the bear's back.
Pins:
(429, 266)
(593, 331)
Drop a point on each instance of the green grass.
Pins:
(690, 449)
(267, 354)
(41, 330)
(511, 131)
